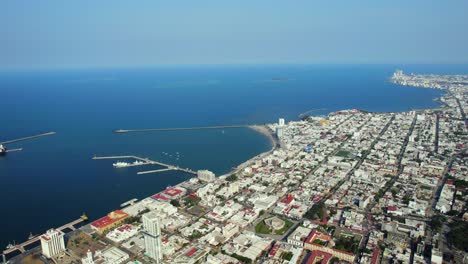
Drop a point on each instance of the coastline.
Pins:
(265, 131)
(269, 133)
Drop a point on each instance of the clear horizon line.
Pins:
(170, 65)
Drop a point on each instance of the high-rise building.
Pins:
(279, 132)
(52, 243)
(281, 122)
(206, 175)
(152, 234)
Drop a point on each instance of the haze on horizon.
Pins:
(54, 33)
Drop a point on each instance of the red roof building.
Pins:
(319, 257)
(109, 221)
(160, 197)
(172, 191)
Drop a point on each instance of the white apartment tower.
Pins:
(279, 132)
(281, 122)
(52, 243)
(206, 175)
(152, 234)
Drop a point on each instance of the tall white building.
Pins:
(52, 243)
(88, 259)
(152, 234)
(281, 122)
(279, 132)
(206, 175)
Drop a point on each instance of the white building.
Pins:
(299, 235)
(52, 243)
(233, 188)
(111, 255)
(152, 234)
(206, 175)
(279, 132)
(281, 122)
(88, 259)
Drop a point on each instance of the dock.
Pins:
(179, 128)
(154, 171)
(27, 138)
(130, 202)
(147, 161)
(21, 247)
(13, 150)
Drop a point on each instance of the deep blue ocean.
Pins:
(53, 180)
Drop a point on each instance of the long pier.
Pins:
(27, 138)
(147, 162)
(179, 128)
(21, 247)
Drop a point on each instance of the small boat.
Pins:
(3, 150)
(31, 236)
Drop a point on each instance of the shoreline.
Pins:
(266, 132)
(270, 134)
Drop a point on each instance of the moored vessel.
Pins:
(3, 150)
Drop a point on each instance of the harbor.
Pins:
(145, 161)
(4, 150)
(34, 239)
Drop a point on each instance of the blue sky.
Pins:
(85, 33)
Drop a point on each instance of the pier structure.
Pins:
(180, 128)
(147, 161)
(21, 247)
(27, 138)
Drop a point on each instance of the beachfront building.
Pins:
(152, 234)
(109, 221)
(281, 122)
(52, 243)
(206, 175)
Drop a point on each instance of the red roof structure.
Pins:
(319, 257)
(109, 219)
(191, 252)
(172, 191)
(160, 197)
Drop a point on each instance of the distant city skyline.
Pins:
(52, 33)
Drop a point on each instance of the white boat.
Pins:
(137, 162)
(31, 236)
(121, 164)
(10, 246)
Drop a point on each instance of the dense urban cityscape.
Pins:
(352, 187)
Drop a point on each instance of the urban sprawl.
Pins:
(352, 187)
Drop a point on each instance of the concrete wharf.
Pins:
(179, 128)
(27, 138)
(147, 161)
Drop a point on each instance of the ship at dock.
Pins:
(121, 164)
(3, 150)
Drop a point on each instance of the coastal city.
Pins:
(350, 187)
